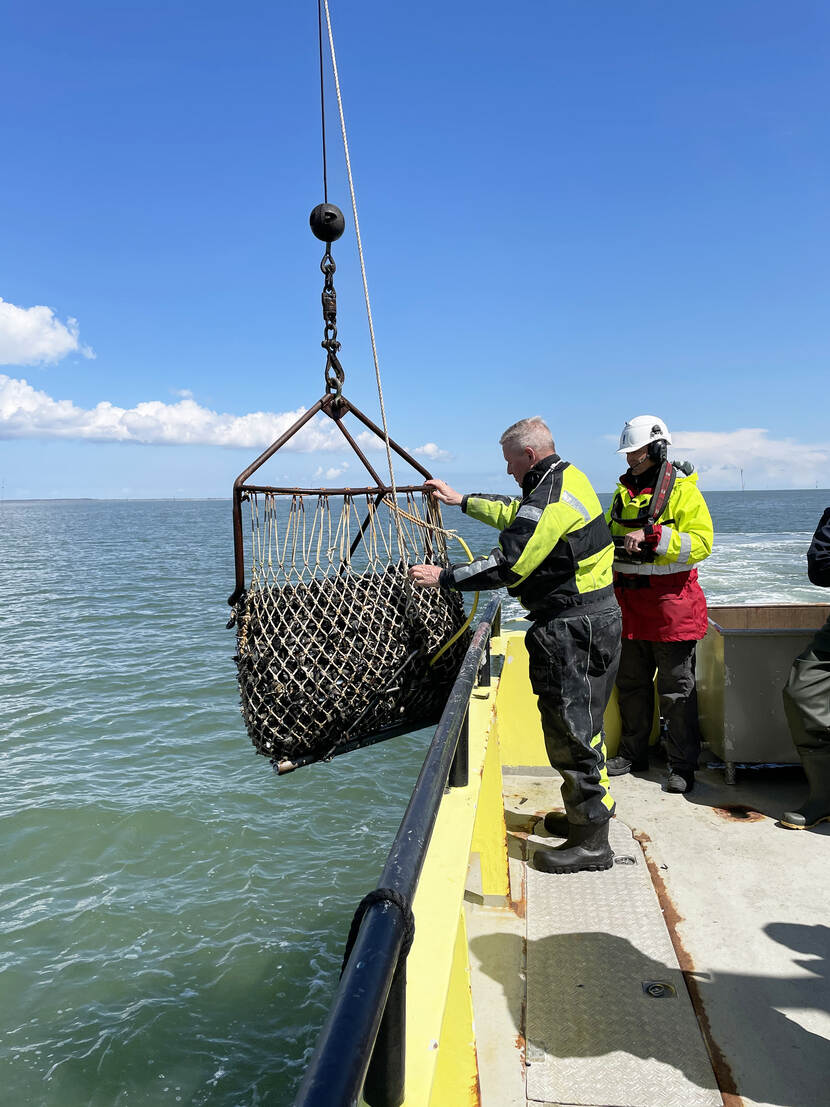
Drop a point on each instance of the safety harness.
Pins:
(648, 515)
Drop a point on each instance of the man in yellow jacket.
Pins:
(662, 530)
(555, 555)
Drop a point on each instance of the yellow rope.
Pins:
(469, 618)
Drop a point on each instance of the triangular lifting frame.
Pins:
(336, 407)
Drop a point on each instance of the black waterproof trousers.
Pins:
(807, 695)
(573, 662)
(675, 665)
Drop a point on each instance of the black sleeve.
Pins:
(818, 555)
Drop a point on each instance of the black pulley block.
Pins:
(327, 222)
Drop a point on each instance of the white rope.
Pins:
(401, 543)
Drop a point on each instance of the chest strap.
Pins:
(648, 515)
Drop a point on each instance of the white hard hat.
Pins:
(641, 430)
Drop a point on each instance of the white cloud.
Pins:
(26, 412)
(331, 473)
(767, 462)
(32, 336)
(433, 452)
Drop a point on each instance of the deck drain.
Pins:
(659, 989)
(625, 859)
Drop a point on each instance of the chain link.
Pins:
(335, 376)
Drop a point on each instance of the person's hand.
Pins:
(633, 540)
(442, 492)
(425, 576)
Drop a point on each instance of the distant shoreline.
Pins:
(227, 499)
(119, 500)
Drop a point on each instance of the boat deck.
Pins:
(695, 972)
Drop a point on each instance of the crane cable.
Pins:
(396, 510)
(360, 253)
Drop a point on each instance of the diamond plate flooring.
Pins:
(609, 1019)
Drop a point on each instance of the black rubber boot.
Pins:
(620, 765)
(585, 850)
(679, 780)
(816, 810)
(556, 823)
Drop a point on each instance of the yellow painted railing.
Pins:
(440, 1041)
(467, 847)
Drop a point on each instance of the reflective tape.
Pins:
(573, 502)
(663, 545)
(650, 569)
(466, 571)
(685, 548)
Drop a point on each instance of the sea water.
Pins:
(172, 913)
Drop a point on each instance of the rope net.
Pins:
(333, 642)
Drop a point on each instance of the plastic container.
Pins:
(742, 666)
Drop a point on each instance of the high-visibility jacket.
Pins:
(661, 600)
(555, 552)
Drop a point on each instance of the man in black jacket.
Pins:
(807, 699)
(555, 555)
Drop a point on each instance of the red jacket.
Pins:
(668, 609)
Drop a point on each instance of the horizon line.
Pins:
(229, 499)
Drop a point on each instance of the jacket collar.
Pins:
(644, 482)
(535, 474)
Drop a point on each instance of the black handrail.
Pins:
(369, 1005)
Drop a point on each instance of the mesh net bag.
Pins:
(334, 645)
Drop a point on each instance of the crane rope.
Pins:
(360, 253)
(395, 512)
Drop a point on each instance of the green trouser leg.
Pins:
(807, 706)
(816, 809)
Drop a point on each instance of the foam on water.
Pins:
(174, 914)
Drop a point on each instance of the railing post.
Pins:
(460, 768)
(484, 670)
(386, 1077)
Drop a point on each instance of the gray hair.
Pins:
(533, 432)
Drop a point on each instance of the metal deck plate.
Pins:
(609, 1020)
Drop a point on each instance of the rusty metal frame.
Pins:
(336, 407)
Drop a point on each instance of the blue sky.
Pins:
(584, 210)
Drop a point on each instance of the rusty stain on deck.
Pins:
(739, 812)
(720, 1066)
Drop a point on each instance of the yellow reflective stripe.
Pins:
(607, 799)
